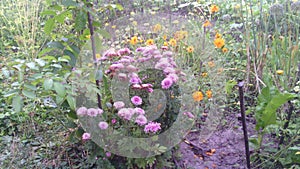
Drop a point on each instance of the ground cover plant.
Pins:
(149, 84)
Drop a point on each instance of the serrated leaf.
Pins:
(60, 89)
(17, 103)
(29, 94)
(61, 17)
(48, 83)
(49, 26)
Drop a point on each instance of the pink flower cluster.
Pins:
(92, 112)
(152, 127)
(129, 113)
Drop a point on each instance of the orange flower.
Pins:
(134, 40)
(172, 42)
(204, 74)
(206, 23)
(190, 49)
(224, 50)
(150, 42)
(214, 8)
(218, 35)
(209, 94)
(197, 96)
(219, 42)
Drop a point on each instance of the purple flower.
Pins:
(166, 83)
(136, 100)
(124, 51)
(81, 111)
(116, 66)
(110, 53)
(86, 136)
(122, 76)
(162, 65)
(152, 127)
(139, 111)
(113, 121)
(131, 68)
(169, 70)
(119, 104)
(108, 154)
(135, 80)
(141, 120)
(100, 111)
(103, 125)
(173, 76)
(92, 112)
(122, 112)
(167, 53)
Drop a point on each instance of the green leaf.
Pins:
(32, 65)
(229, 86)
(69, 3)
(29, 94)
(61, 17)
(10, 93)
(60, 89)
(80, 21)
(17, 103)
(71, 102)
(48, 12)
(41, 62)
(58, 45)
(49, 26)
(48, 83)
(72, 115)
(59, 100)
(30, 86)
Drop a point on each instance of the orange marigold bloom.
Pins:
(209, 94)
(204, 74)
(219, 42)
(190, 49)
(197, 96)
(224, 50)
(172, 42)
(218, 35)
(206, 23)
(214, 8)
(134, 40)
(150, 42)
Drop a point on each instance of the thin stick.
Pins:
(90, 25)
(242, 106)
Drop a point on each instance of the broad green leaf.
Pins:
(69, 3)
(80, 21)
(49, 26)
(29, 94)
(71, 102)
(72, 115)
(5, 72)
(61, 17)
(59, 100)
(57, 45)
(60, 89)
(41, 62)
(10, 93)
(57, 66)
(30, 86)
(32, 65)
(48, 83)
(48, 12)
(20, 76)
(17, 103)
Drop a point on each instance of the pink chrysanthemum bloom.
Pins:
(123, 60)
(119, 104)
(139, 111)
(136, 100)
(162, 64)
(92, 112)
(81, 111)
(140, 49)
(166, 83)
(189, 114)
(86, 136)
(122, 76)
(141, 120)
(108, 154)
(116, 66)
(128, 114)
(150, 90)
(135, 80)
(124, 51)
(173, 76)
(110, 53)
(103, 125)
(100, 111)
(114, 121)
(157, 56)
(122, 112)
(169, 70)
(164, 47)
(167, 53)
(152, 127)
(131, 68)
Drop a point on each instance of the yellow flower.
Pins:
(214, 8)
(106, 24)
(165, 44)
(197, 96)
(172, 42)
(218, 35)
(98, 56)
(206, 23)
(219, 42)
(204, 74)
(156, 28)
(237, 6)
(280, 72)
(134, 40)
(224, 50)
(114, 26)
(150, 42)
(165, 37)
(211, 64)
(134, 23)
(209, 94)
(88, 36)
(190, 49)
(179, 35)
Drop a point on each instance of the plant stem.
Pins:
(242, 106)
(286, 124)
(91, 28)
